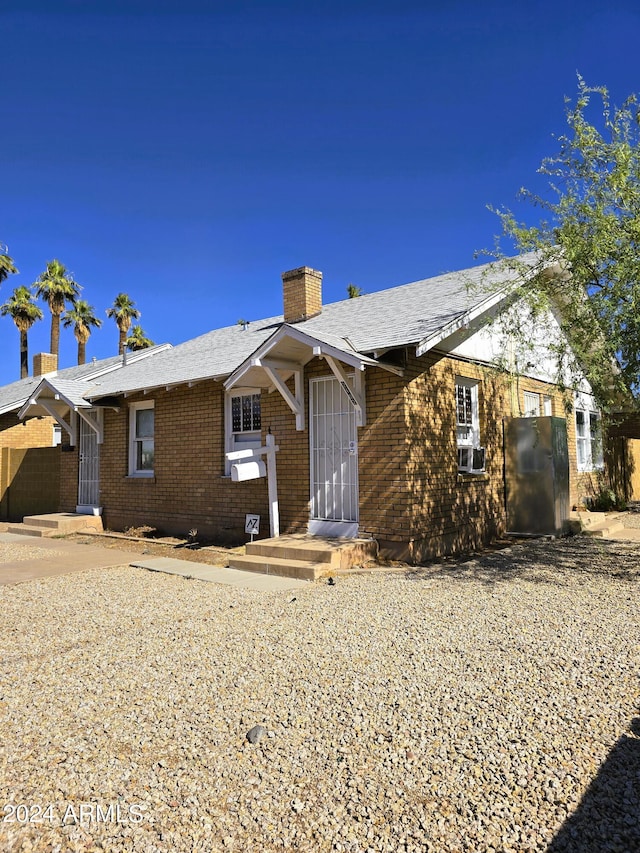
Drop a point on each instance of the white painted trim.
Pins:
(295, 403)
(320, 526)
(333, 529)
(229, 435)
(350, 388)
(475, 443)
(95, 424)
(133, 408)
(68, 427)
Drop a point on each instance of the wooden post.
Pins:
(272, 484)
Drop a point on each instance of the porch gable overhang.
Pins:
(286, 353)
(64, 402)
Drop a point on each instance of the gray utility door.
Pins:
(334, 460)
(88, 466)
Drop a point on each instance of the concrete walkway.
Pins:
(65, 558)
(216, 574)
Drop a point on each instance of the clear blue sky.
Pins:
(189, 152)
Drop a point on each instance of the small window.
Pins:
(531, 405)
(57, 435)
(547, 403)
(471, 457)
(141, 439)
(588, 440)
(243, 422)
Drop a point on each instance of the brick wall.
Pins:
(29, 481)
(21, 435)
(412, 498)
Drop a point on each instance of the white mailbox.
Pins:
(248, 469)
(248, 465)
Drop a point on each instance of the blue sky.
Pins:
(188, 153)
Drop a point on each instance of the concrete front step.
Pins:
(56, 524)
(604, 530)
(303, 556)
(339, 554)
(301, 569)
(603, 525)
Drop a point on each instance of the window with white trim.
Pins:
(243, 421)
(589, 440)
(547, 403)
(531, 405)
(141, 439)
(470, 454)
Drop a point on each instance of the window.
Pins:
(547, 402)
(470, 454)
(243, 422)
(531, 405)
(588, 440)
(141, 439)
(57, 435)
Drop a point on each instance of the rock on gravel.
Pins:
(482, 706)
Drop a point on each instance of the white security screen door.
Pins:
(88, 467)
(334, 460)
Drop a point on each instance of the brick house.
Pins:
(29, 445)
(386, 410)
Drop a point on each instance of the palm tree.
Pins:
(123, 312)
(7, 267)
(56, 287)
(138, 340)
(354, 291)
(82, 318)
(24, 312)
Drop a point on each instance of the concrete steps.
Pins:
(304, 557)
(602, 525)
(56, 524)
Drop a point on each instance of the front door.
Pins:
(88, 468)
(334, 460)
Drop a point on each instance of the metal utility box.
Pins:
(537, 475)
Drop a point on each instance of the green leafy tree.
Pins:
(57, 288)
(24, 312)
(7, 267)
(138, 340)
(123, 311)
(82, 317)
(353, 291)
(590, 229)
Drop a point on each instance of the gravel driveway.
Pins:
(482, 706)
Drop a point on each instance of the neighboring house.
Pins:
(29, 456)
(385, 408)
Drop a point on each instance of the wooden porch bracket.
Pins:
(95, 424)
(71, 427)
(355, 393)
(294, 401)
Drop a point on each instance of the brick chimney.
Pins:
(302, 294)
(44, 362)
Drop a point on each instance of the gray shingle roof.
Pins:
(395, 317)
(14, 395)
(398, 316)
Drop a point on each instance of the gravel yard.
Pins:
(482, 706)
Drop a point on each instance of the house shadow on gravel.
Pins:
(607, 819)
(573, 559)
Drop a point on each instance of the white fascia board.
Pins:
(466, 319)
(11, 407)
(131, 359)
(159, 386)
(34, 399)
(317, 346)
